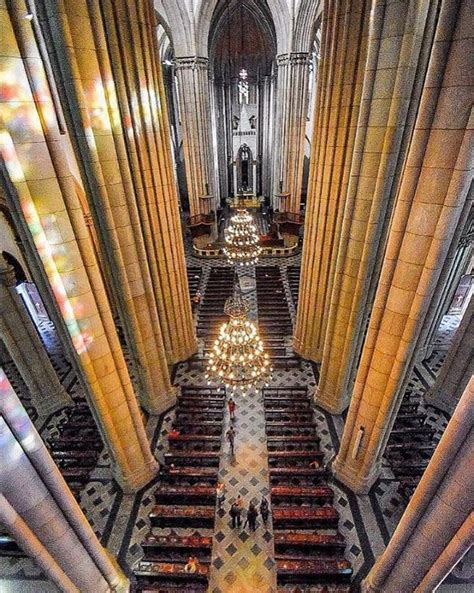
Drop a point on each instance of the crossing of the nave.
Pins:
(236, 296)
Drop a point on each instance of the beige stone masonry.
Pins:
(432, 196)
(39, 163)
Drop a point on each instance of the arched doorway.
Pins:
(244, 170)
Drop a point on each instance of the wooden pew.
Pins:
(176, 494)
(189, 475)
(182, 516)
(281, 415)
(174, 547)
(205, 427)
(317, 571)
(301, 494)
(291, 428)
(308, 543)
(212, 403)
(170, 571)
(199, 458)
(283, 404)
(297, 443)
(305, 517)
(297, 475)
(295, 458)
(194, 442)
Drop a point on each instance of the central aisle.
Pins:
(242, 560)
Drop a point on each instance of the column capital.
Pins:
(191, 63)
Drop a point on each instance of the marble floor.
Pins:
(241, 561)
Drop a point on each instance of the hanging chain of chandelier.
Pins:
(238, 358)
(242, 246)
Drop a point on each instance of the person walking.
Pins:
(220, 493)
(231, 406)
(231, 438)
(264, 509)
(251, 517)
(235, 514)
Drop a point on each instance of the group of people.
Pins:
(236, 510)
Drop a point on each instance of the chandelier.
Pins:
(242, 241)
(237, 357)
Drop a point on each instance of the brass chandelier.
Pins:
(241, 240)
(237, 358)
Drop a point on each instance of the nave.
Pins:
(231, 557)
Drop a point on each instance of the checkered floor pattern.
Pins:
(241, 561)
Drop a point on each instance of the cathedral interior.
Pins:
(236, 296)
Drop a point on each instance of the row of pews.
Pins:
(211, 310)
(194, 279)
(309, 550)
(293, 273)
(411, 443)
(77, 446)
(274, 318)
(182, 520)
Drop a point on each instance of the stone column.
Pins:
(437, 527)
(338, 95)
(432, 196)
(399, 31)
(38, 509)
(456, 265)
(42, 180)
(96, 116)
(290, 125)
(26, 349)
(194, 108)
(147, 136)
(457, 368)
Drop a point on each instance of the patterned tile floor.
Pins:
(242, 560)
(120, 520)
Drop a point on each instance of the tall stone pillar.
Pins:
(152, 173)
(399, 31)
(40, 512)
(194, 108)
(41, 177)
(457, 368)
(456, 265)
(432, 196)
(26, 349)
(338, 95)
(266, 130)
(128, 179)
(437, 527)
(290, 126)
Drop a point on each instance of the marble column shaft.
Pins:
(437, 527)
(88, 85)
(432, 196)
(395, 62)
(338, 95)
(194, 108)
(26, 349)
(457, 368)
(290, 125)
(40, 166)
(40, 510)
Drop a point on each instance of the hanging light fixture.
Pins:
(242, 240)
(237, 358)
